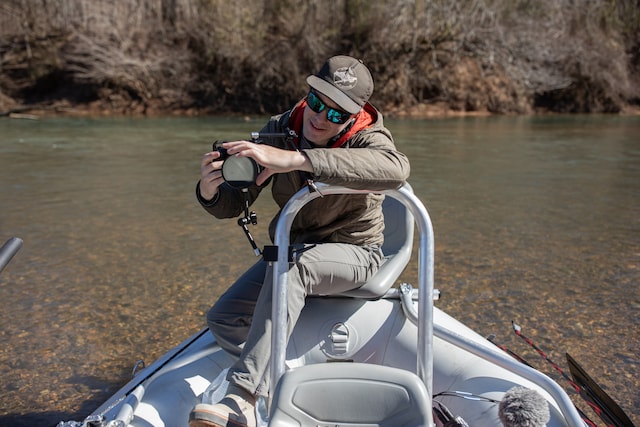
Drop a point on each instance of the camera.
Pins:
(241, 173)
(238, 172)
(217, 146)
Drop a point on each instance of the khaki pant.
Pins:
(242, 315)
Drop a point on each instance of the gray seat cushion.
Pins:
(349, 394)
(398, 243)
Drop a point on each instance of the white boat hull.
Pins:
(378, 333)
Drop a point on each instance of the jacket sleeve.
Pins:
(230, 201)
(370, 161)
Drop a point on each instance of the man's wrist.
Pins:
(303, 163)
(203, 201)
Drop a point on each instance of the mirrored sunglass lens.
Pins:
(335, 116)
(314, 102)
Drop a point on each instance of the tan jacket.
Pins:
(368, 160)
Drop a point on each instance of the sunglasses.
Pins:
(334, 116)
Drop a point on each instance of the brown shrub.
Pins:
(500, 56)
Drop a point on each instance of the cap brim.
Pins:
(335, 94)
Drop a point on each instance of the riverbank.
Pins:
(99, 109)
(190, 58)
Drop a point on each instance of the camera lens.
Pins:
(240, 172)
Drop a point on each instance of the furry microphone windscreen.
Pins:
(523, 407)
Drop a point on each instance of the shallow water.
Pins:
(537, 220)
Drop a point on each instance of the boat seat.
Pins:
(397, 246)
(349, 394)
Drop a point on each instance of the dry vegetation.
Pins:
(155, 56)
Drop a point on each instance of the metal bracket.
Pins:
(270, 253)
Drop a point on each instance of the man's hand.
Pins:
(273, 160)
(210, 175)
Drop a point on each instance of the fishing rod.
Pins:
(594, 396)
(518, 331)
(513, 354)
(521, 359)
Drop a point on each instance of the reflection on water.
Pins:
(537, 220)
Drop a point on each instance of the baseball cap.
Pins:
(346, 81)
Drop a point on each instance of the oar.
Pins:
(591, 391)
(606, 409)
(8, 250)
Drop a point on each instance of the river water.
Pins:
(537, 220)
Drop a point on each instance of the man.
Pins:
(340, 139)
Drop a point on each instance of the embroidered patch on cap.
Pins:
(345, 78)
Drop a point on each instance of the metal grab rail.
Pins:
(424, 316)
(425, 279)
(565, 404)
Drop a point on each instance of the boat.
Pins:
(379, 355)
